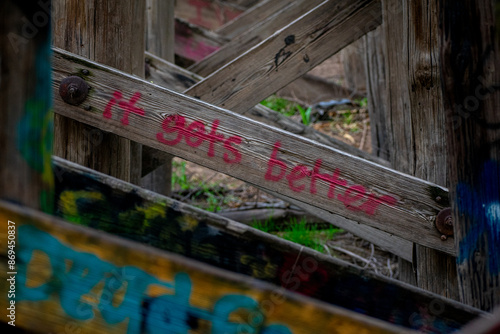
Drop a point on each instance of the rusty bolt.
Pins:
(444, 223)
(73, 90)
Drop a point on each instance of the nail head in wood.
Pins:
(73, 90)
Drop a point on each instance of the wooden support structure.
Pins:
(277, 161)
(92, 199)
(26, 118)
(209, 14)
(121, 45)
(159, 41)
(415, 117)
(471, 75)
(288, 54)
(256, 34)
(255, 15)
(178, 79)
(194, 43)
(71, 277)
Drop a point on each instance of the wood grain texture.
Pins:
(251, 17)
(256, 153)
(111, 33)
(72, 276)
(208, 14)
(160, 36)
(288, 54)
(353, 57)
(26, 118)
(375, 50)
(89, 198)
(421, 128)
(195, 43)
(258, 33)
(160, 28)
(471, 99)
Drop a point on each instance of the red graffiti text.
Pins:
(354, 198)
(195, 134)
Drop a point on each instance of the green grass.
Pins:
(299, 232)
(280, 105)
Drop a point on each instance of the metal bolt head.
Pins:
(444, 222)
(85, 72)
(73, 90)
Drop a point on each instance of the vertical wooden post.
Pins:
(26, 118)
(471, 82)
(160, 41)
(376, 94)
(417, 137)
(112, 33)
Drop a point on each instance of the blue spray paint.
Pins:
(482, 207)
(75, 274)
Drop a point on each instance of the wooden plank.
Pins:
(195, 43)
(71, 276)
(208, 14)
(113, 34)
(173, 77)
(471, 100)
(260, 32)
(160, 37)
(255, 153)
(251, 17)
(26, 119)
(377, 91)
(419, 134)
(288, 54)
(88, 198)
(487, 324)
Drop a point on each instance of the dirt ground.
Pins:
(220, 193)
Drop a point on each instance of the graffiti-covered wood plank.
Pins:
(26, 117)
(256, 34)
(92, 199)
(268, 157)
(173, 77)
(288, 54)
(68, 276)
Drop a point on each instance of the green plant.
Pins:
(280, 105)
(305, 114)
(362, 102)
(302, 233)
(179, 176)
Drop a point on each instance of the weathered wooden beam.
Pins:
(89, 198)
(173, 77)
(26, 118)
(288, 54)
(415, 116)
(251, 17)
(111, 33)
(260, 32)
(208, 14)
(486, 324)
(70, 276)
(470, 61)
(195, 43)
(160, 35)
(273, 159)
